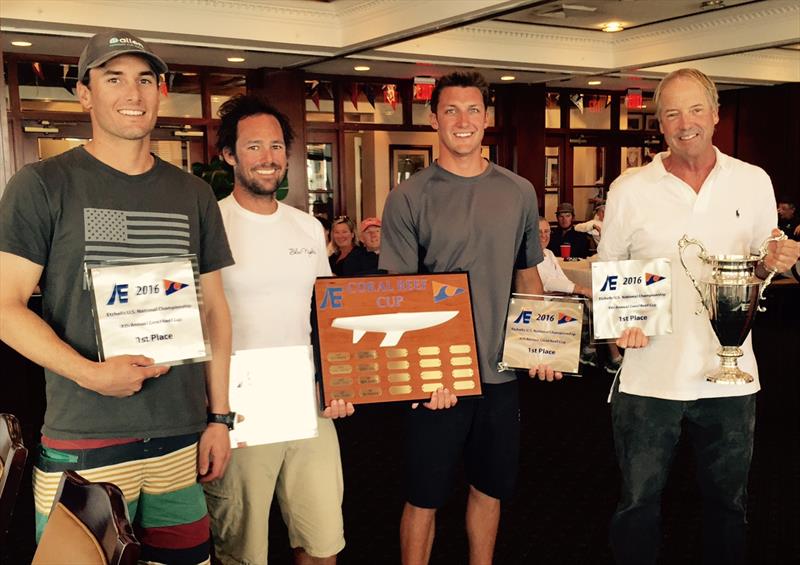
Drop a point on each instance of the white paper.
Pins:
(635, 293)
(273, 393)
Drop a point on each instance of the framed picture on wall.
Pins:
(652, 123)
(635, 121)
(405, 160)
(551, 172)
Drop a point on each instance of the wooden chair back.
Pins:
(13, 455)
(88, 524)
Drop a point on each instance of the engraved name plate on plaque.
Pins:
(395, 337)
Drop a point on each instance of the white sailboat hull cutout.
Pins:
(393, 325)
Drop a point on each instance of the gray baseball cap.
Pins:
(106, 45)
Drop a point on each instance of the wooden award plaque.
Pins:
(395, 337)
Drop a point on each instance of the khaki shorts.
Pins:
(305, 474)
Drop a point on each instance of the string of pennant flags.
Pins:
(166, 81)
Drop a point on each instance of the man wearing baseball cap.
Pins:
(565, 233)
(149, 429)
(371, 234)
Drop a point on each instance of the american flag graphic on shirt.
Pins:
(122, 234)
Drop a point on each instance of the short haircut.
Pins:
(462, 80)
(691, 74)
(243, 106)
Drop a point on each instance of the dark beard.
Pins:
(253, 187)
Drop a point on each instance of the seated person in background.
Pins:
(371, 234)
(554, 280)
(565, 233)
(788, 221)
(349, 257)
(553, 277)
(594, 226)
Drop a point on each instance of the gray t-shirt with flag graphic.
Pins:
(487, 225)
(65, 210)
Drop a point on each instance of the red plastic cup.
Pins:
(566, 250)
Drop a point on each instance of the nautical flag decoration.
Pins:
(577, 100)
(390, 95)
(423, 88)
(313, 92)
(37, 70)
(370, 92)
(162, 85)
(171, 287)
(650, 278)
(444, 291)
(564, 318)
(355, 91)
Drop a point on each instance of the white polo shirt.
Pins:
(647, 212)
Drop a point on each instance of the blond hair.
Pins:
(692, 74)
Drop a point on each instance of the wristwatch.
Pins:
(228, 419)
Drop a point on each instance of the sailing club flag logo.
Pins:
(171, 287)
(650, 278)
(444, 291)
(565, 318)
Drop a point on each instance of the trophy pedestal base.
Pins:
(729, 372)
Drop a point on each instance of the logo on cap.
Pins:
(127, 41)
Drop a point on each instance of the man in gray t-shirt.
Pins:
(464, 213)
(120, 419)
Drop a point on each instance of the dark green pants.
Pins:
(646, 433)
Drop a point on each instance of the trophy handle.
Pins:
(685, 242)
(762, 252)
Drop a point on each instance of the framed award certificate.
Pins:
(543, 330)
(148, 307)
(394, 337)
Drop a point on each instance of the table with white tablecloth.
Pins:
(579, 272)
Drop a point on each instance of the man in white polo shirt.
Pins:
(729, 205)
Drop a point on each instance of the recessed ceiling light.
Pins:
(361, 68)
(611, 27)
(594, 82)
(21, 43)
(508, 77)
(236, 59)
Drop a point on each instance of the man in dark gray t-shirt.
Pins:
(464, 213)
(121, 419)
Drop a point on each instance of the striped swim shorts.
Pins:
(158, 478)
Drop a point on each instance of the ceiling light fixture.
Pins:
(612, 27)
(21, 43)
(236, 59)
(594, 82)
(361, 68)
(508, 77)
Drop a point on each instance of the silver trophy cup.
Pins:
(731, 296)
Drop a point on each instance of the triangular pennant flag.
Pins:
(444, 291)
(370, 93)
(355, 91)
(171, 287)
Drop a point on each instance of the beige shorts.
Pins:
(305, 474)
